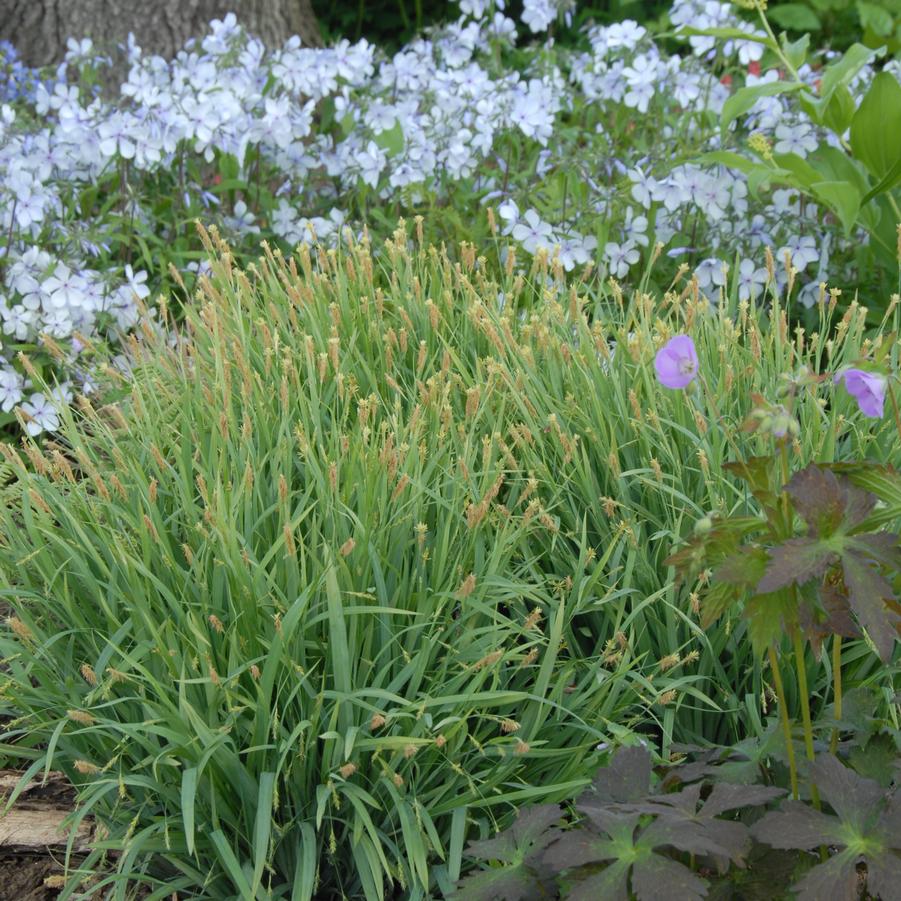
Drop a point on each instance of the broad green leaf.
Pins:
(876, 126)
(876, 18)
(839, 111)
(835, 164)
(891, 179)
(804, 173)
(841, 73)
(795, 51)
(794, 16)
(842, 198)
(745, 568)
(769, 616)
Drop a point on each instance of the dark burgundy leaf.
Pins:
(881, 546)
(834, 880)
(819, 499)
(661, 879)
(867, 591)
(531, 831)
(884, 877)
(853, 798)
(880, 760)
(718, 838)
(794, 562)
(795, 825)
(611, 883)
(726, 796)
(626, 778)
(889, 824)
(607, 818)
(506, 883)
(579, 847)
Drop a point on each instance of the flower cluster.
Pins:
(580, 151)
(676, 364)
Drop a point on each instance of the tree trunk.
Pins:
(39, 28)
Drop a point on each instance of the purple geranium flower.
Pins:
(867, 388)
(676, 362)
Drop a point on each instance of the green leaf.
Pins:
(769, 616)
(716, 601)
(744, 98)
(876, 18)
(744, 568)
(842, 198)
(876, 126)
(732, 160)
(795, 16)
(839, 111)
(886, 183)
(188, 793)
(262, 827)
(843, 71)
(796, 51)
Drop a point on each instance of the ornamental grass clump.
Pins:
(276, 612)
(372, 551)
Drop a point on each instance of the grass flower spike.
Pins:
(677, 362)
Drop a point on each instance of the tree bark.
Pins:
(39, 29)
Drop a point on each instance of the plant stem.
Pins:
(805, 708)
(786, 724)
(837, 682)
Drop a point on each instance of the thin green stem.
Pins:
(786, 723)
(837, 691)
(805, 708)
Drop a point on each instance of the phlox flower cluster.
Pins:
(297, 143)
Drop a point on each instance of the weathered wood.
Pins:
(34, 825)
(39, 830)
